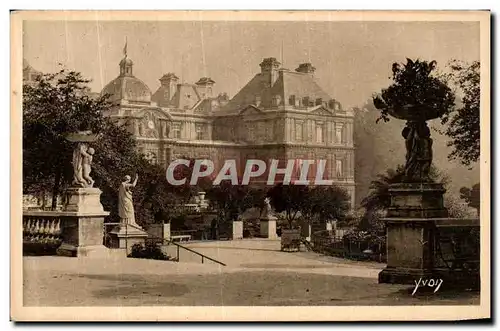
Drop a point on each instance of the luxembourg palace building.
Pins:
(279, 114)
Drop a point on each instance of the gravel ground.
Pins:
(257, 274)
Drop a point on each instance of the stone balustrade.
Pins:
(457, 245)
(71, 233)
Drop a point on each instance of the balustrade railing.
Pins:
(41, 234)
(325, 243)
(457, 247)
(41, 229)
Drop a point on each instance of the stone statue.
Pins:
(418, 151)
(125, 205)
(87, 162)
(82, 161)
(267, 210)
(426, 153)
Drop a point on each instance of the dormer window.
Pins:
(305, 101)
(331, 104)
(319, 101)
(257, 100)
(291, 100)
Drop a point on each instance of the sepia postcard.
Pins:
(250, 165)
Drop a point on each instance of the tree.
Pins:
(379, 198)
(472, 196)
(330, 202)
(54, 106)
(321, 202)
(229, 201)
(187, 190)
(415, 89)
(463, 122)
(456, 208)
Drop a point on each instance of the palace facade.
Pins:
(279, 114)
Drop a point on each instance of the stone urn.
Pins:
(415, 113)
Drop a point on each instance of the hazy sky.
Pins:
(352, 59)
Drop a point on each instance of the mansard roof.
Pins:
(258, 91)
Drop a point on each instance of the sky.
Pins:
(352, 59)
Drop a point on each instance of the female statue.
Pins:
(125, 204)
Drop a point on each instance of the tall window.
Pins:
(338, 168)
(338, 133)
(176, 130)
(200, 129)
(298, 167)
(299, 131)
(268, 131)
(251, 132)
(319, 133)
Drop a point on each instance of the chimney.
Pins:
(205, 87)
(269, 67)
(306, 68)
(169, 83)
(223, 99)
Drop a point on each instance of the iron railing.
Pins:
(165, 243)
(457, 247)
(324, 243)
(158, 241)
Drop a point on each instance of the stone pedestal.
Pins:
(82, 220)
(238, 229)
(268, 228)
(417, 201)
(159, 232)
(305, 230)
(409, 251)
(125, 236)
(411, 231)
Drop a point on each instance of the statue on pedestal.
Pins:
(267, 211)
(125, 204)
(82, 158)
(82, 161)
(418, 151)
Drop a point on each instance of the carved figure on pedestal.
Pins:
(82, 160)
(426, 155)
(418, 151)
(125, 203)
(87, 162)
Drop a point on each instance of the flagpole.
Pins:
(125, 48)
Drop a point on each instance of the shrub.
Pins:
(40, 248)
(149, 251)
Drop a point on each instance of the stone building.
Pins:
(279, 114)
(29, 73)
